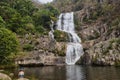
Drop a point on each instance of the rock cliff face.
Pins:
(99, 34)
(41, 50)
(103, 53)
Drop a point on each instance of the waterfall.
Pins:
(51, 35)
(74, 48)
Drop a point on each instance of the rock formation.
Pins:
(4, 77)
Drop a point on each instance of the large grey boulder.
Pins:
(4, 77)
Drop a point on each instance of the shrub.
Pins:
(28, 47)
(8, 43)
(21, 31)
(40, 29)
(60, 36)
(2, 22)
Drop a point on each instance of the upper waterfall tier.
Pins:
(66, 23)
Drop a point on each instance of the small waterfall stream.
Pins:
(74, 48)
(51, 35)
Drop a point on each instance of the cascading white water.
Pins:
(51, 35)
(74, 48)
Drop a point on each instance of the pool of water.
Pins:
(75, 72)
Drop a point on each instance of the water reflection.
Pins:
(47, 73)
(103, 73)
(75, 73)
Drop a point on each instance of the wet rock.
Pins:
(85, 59)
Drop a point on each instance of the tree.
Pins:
(2, 22)
(54, 12)
(8, 43)
(22, 17)
(24, 7)
(17, 14)
(44, 16)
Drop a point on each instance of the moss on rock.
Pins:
(60, 49)
(60, 36)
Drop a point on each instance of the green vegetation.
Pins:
(28, 47)
(62, 51)
(69, 5)
(60, 36)
(44, 16)
(8, 44)
(113, 44)
(22, 17)
(2, 22)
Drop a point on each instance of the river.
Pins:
(75, 72)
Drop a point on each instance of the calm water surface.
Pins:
(75, 72)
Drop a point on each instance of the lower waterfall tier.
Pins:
(73, 53)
